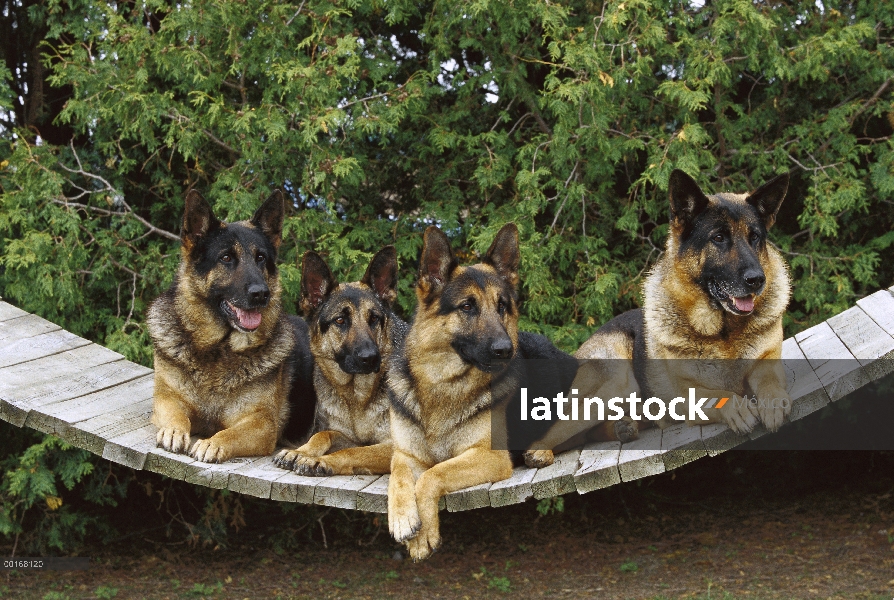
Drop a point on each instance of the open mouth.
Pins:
(243, 319)
(737, 305)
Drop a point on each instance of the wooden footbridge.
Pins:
(58, 383)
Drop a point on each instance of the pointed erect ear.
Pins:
(268, 218)
(687, 200)
(437, 262)
(317, 281)
(768, 198)
(381, 274)
(198, 220)
(503, 254)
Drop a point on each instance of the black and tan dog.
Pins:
(230, 366)
(353, 333)
(717, 296)
(462, 338)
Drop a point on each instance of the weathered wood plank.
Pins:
(131, 448)
(22, 400)
(292, 487)
(718, 438)
(374, 497)
(24, 327)
(869, 343)
(598, 467)
(681, 444)
(641, 457)
(837, 369)
(8, 311)
(91, 434)
(807, 393)
(514, 490)
(340, 491)
(469, 498)
(880, 307)
(46, 344)
(557, 478)
(255, 478)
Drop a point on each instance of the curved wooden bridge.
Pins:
(58, 383)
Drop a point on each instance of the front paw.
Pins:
(312, 466)
(285, 459)
(403, 521)
(626, 430)
(427, 540)
(738, 414)
(773, 411)
(172, 439)
(537, 459)
(209, 451)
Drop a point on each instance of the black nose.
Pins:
(258, 294)
(754, 278)
(369, 358)
(501, 348)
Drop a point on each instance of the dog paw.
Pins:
(312, 466)
(738, 415)
(773, 413)
(404, 523)
(209, 451)
(626, 430)
(285, 459)
(424, 544)
(172, 439)
(537, 459)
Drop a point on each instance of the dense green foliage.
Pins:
(379, 118)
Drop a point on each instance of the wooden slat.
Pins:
(837, 369)
(514, 490)
(718, 438)
(558, 478)
(255, 478)
(14, 352)
(869, 343)
(8, 311)
(23, 328)
(131, 448)
(469, 498)
(91, 434)
(292, 487)
(880, 307)
(641, 457)
(681, 444)
(807, 393)
(598, 467)
(374, 497)
(340, 491)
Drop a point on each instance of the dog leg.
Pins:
(403, 514)
(318, 445)
(475, 466)
(360, 460)
(253, 435)
(171, 416)
(767, 382)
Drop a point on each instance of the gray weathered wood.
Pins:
(25, 327)
(880, 307)
(718, 438)
(469, 498)
(867, 341)
(340, 491)
(514, 490)
(292, 487)
(91, 434)
(837, 369)
(18, 351)
(58, 365)
(804, 387)
(557, 478)
(131, 448)
(598, 467)
(641, 457)
(681, 444)
(8, 311)
(255, 478)
(374, 497)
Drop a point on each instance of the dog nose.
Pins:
(754, 278)
(258, 293)
(369, 358)
(501, 348)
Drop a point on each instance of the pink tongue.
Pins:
(744, 304)
(248, 319)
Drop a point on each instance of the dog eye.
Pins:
(501, 307)
(260, 258)
(466, 306)
(373, 320)
(339, 320)
(718, 238)
(754, 237)
(226, 259)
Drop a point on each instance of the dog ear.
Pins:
(198, 220)
(381, 274)
(687, 200)
(269, 216)
(317, 281)
(768, 198)
(437, 262)
(503, 254)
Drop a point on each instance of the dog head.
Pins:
(232, 267)
(474, 309)
(721, 240)
(349, 321)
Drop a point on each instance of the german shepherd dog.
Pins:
(717, 294)
(230, 366)
(462, 339)
(353, 333)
